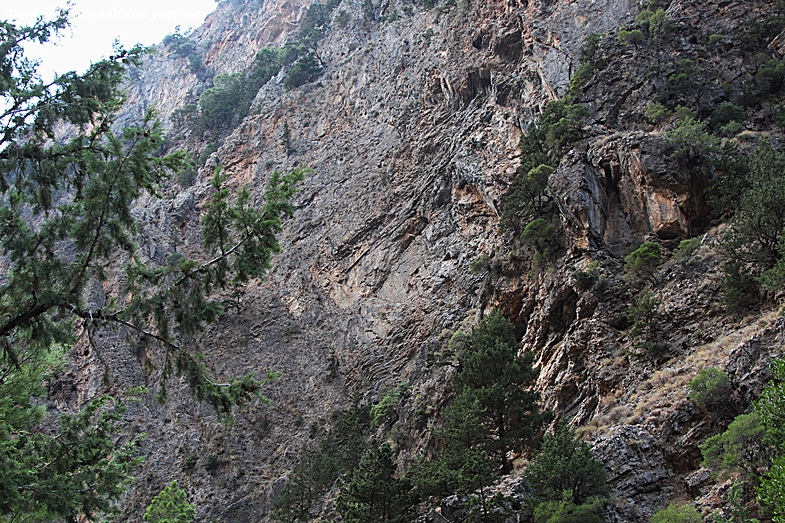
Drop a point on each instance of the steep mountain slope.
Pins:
(413, 133)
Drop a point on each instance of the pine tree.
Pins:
(566, 464)
(68, 182)
(492, 372)
(372, 493)
(493, 414)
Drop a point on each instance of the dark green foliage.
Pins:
(631, 36)
(182, 46)
(771, 492)
(268, 63)
(770, 408)
(187, 176)
(756, 236)
(558, 126)
(79, 471)
(740, 448)
(315, 21)
(318, 467)
(66, 217)
(493, 414)
(693, 145)
(684, 113)
(760, 219)
(542, 238)
(305, 70)
(654, 22)
(566, 511)
(731, 179)
(581, 77)
(587, 58)
(657, 113)
(561, 122)
(711, 390)
(170, 506)
(372, 493)
(680, 84)
(481, 264)
(224, 104)
(754, 445)
(643, 261)
(179, 44)
(459, 469)
(493, 375)
(725, 113)
(677, 514)
(83, 467)
(180, 296)
(564, 463)
(241, 235)
(526, 198)
(771, 404)
(779, 117)
(683, 83)
(739, 288)
(686, 250)
(644, 331)
(641, 311)
(757, 32)
(749, 184)
(388, 404)
(590, 47)
(463, 464)
(736, 508)
(769, 78)
(585, 279)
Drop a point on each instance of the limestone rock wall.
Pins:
(412, 133)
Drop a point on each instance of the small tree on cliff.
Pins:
(170, 506)
(493, 414)
(643, 261)
(564, 463)
(66, 221)
(372, 493)
(500, 381)
(756, 236)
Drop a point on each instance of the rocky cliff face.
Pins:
(413, 132)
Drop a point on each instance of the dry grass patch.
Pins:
(669, 385)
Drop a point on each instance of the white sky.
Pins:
(96, 24)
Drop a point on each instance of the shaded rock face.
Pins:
(412, 133)
(748, 364)
(622, 187)
(637, 469)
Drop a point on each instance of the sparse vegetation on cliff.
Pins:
(224, 105)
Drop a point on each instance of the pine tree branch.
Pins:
(102, 220)
(164, 341)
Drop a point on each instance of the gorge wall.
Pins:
(413, 134)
